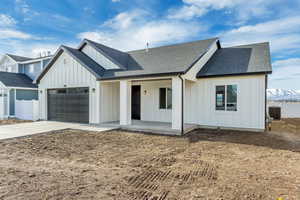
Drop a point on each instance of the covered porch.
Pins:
(147, 105)
(151, 127)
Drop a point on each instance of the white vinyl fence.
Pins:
(288, 109)
(27, 110)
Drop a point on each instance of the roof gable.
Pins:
(109, 58)
(83, 59)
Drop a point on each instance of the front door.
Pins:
(136, 102)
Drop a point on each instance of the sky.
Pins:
(28, 27)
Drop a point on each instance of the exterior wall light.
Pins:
(145, 92)
(41, 91)
(93, 90)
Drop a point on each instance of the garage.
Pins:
(68, 105)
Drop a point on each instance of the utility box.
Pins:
(275, 112)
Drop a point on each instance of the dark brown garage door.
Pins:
(68, 105)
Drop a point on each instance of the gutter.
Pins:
(182, 106)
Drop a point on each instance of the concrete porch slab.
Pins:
(164, 128)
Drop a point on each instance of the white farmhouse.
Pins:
(168, 89)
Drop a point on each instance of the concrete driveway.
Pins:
(30, 128)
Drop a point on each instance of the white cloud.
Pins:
(11, 33)
(243, 9)
(286, 74)
(61, 18)
(30, 48)
(283, 34)
(125, 19)
(115, 1)
(22, 6)
(187, 12)
(6, 20)
(132, 30)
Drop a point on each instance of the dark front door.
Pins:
(136, 102)
(68, 105)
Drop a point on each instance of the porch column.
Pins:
(125, 102)
(176, 103)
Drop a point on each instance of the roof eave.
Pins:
(235, 74)
(141, 76)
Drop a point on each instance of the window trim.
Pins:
(166, 98)
(225, 98)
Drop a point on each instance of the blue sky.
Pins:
(28, 27)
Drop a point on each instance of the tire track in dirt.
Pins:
(148, 184)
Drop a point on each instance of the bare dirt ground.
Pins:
(206, 165)
(12, 121)
(294, 121)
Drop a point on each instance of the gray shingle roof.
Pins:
(16, 80)
(18, 58)
(238, 60)
(172, 59)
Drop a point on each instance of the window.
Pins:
(226, 97)
(31, 68)
(165, 98)
(220, 98)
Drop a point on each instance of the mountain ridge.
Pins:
(283, 95)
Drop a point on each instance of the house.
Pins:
(170, 89)
(16, 84)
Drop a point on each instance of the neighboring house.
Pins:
(16, 82)
(170, 88)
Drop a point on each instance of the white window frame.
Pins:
(31, 68)
(225, 96)
(166, 99)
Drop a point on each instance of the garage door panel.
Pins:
(69, 105)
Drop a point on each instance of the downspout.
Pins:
(267, 122)
(182, 105)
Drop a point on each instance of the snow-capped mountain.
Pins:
(283, 95)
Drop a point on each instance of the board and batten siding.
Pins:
(110, 102)
(150, 101)
(201, 99)
(98, 57)
(67, 72)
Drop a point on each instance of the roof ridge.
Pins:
(256, 43)
(177, 44)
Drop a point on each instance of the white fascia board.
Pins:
(35, 60)
(22, 88)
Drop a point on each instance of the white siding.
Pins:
(200, 102)
(150, 101)
(67, 72)
(99, 58)
(8, 65)
(110, 102)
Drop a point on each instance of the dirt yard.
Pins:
(12, 121)
(286, 125)
(206, 165)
